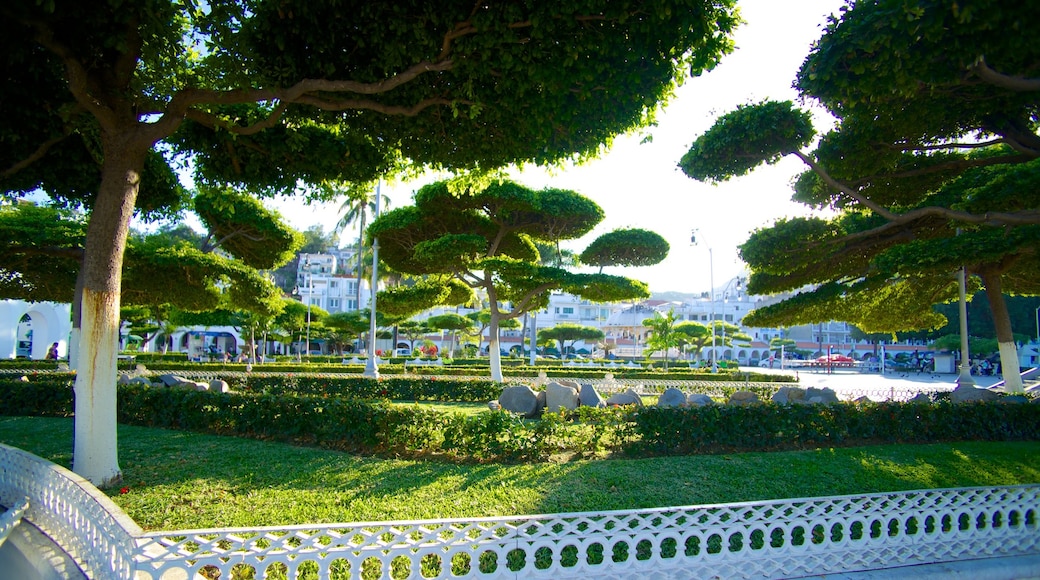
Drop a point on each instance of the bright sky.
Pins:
(639, 184)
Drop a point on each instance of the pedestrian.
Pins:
(52, 352)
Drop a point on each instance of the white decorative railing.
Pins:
(83, 521)
(783, 538)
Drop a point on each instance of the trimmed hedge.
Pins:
(382, 428)
(766, 427)
(357, 387)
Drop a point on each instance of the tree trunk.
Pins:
(1002, 326)
(95, 455)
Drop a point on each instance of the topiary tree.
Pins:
(464, 235)
(934, 165)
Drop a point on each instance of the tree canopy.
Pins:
(934, 164)
(482, 236)
(626, 247)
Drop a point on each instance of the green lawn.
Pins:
(186, 480)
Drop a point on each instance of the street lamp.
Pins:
(310, 294)
(711, 281)
(371, 369)
(964, 376)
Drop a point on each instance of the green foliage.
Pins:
(745, 138)
(241, 226)
(768, 427)
(626, 247)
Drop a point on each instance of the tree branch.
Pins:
(989, 218)
(33, 158)
(998, 79)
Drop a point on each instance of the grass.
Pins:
(178, 480)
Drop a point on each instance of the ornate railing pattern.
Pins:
(747, 540)
(87, 525)
(782, 538)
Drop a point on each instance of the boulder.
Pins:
(1015, 399)
(123, 380)
(521, 400)
(141, 381)
(218, 386)
(628, 397)
(494, 406)
(567, 383)
(789, 396)
(743, 398)
(589, 397)
(824, 396)
(970, 394)
(672, 397)
(171, 380)
(559, 396)
(699, 400)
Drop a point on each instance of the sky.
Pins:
(638, 183)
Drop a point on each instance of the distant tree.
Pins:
(693, 334)
(482, 321)
(481, 236)
(355, 209)
(565, 332)
(454, 323)
(415, 330)
(662, 336)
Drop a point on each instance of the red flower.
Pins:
(124, 490)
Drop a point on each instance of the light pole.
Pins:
(964, 376)
(371, 369)
(310, 294)
(711, 281)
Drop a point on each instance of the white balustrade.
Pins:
(781, 538)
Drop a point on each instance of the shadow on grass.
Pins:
(188, 480)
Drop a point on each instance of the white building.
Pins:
(28, 329)
(321, 282)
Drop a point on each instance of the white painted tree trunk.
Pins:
(1009, 367)
(94, 454)
(494, 352)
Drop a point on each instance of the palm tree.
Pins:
(360, 201)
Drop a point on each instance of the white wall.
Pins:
(51, 322)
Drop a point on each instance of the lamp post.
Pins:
(964, 376)
(371, 369)
(310, 294)
(711, 281)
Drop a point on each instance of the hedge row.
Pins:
(356, 387)
(765, 427)
(379, 427)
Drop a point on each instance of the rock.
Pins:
(699, 400)
(574, 385)
(141, 381)
(743, 398)
(920, 398)
(559, 396)
(541, 400)
(140, 370)
(171, 380)
(969, 394)
(219, 386)
(672, 397)
(494, 406)
(590, 397)
(1015, 399)
(521, 400)
(629, 397)
(825, 396)
(123, 380)
(789, 396)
